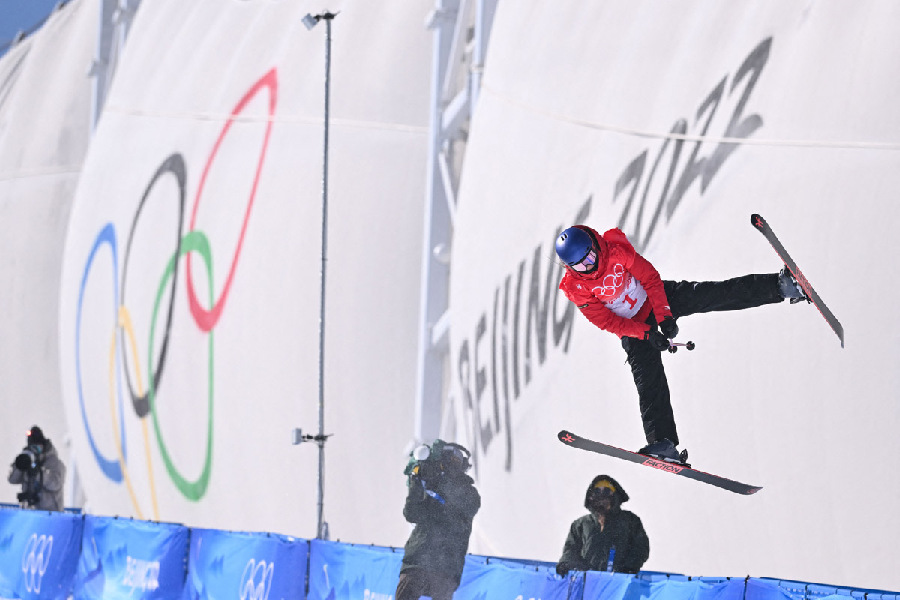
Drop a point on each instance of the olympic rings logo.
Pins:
(123, 350)
(35, 560)
(256, 580)
(612, 281)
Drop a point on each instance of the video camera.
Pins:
(27, 461)
(426, 461)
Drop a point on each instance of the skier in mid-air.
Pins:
(619, 291)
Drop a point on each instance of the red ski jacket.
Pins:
(619, 295)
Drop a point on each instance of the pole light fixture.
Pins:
(310, 21)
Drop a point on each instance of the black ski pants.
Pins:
(687, 298)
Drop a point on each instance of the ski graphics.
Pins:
(762, 226)
(570, 439)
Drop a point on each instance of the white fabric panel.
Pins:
(45, 97)
(224, 101)
(806, 95)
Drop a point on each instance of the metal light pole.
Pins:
(310, 21)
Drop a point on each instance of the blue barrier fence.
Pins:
(65, 555)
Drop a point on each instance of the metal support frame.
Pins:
(115, 21)
(461, 33)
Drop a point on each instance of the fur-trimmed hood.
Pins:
(620, 493)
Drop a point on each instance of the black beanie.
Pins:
(36, 436)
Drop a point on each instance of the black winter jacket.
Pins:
(440, 539)
(587, 546)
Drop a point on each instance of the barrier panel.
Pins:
(764, 588)
(724, 588)
(63, 555)
(609, 586)
(250, 566)
(346, 571)
(38, 553)
(772, 589)
(815, 590)
(489, 579)
(660, 586)
(123, 558)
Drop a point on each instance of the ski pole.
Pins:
(673, 346)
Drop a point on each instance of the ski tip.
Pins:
(757, 220)
(752, 490)
(565, 437)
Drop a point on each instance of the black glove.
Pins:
(562, 568)
(657, 340)
(669, 327)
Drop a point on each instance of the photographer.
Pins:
(41, 473)
(441, 502)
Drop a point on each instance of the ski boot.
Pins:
(789, 288)
(666, 451)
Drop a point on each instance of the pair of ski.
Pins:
(684, 470)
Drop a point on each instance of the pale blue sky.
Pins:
(16, 15)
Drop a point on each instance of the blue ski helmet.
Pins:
(573, 244)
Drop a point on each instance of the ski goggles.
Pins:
(587, 262)
(603, 488)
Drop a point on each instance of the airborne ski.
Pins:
(570, 439)
(763, 227)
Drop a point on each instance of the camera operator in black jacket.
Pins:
(41, 473)
(441, 502)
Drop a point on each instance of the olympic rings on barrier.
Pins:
(249, 589)
(35, 560)
(145, 401)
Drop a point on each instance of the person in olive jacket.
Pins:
(442, 502)
(607, 539)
